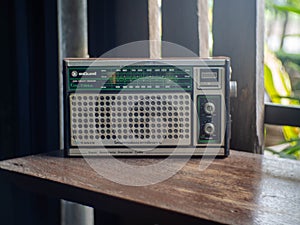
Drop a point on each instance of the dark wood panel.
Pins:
(8, 115)
(116, 22)
(131, 24)
(282, 115)
(180, 26)
(238, 33)
(241, 189)
(51, 99)
(27, 41)
(101, 27)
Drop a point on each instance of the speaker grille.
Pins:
(130, 119)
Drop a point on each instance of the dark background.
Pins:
(29, 79)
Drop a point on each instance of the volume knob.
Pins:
(209, 108)
(209, 128)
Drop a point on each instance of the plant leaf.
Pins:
(272, 151)
(297, 140)
(277, 81)
(287, 8)
(296, 100)
(292, 35)
(286, 156)
(291, 132)
(269, 85)
(291, 150)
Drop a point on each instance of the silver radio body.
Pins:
(138, 107)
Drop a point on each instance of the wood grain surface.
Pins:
(242, 189)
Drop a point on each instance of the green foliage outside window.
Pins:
(280, 68)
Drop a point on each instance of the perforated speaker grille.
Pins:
(130, 119)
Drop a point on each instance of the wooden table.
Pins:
(241, 189)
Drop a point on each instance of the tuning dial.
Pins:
(209, 128)
(209, 108)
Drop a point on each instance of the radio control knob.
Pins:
(209, 128)
(209, 108)
(233, 89)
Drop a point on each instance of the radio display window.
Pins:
(208, 78)
(209, 75)
(130, 77)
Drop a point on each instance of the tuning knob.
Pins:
(209, 128)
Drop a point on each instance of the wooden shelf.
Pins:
(241, 189)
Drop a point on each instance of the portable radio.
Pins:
(132, 107)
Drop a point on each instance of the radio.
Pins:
(135, 107)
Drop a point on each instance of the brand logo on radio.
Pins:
(88, 74)
(74, 73)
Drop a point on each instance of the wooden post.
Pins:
(238, 30)
(131, 21)
(154, 23)
(180, 26)
(203, 28)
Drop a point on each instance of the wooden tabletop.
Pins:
(241, 189)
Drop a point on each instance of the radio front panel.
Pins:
(122, 107)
